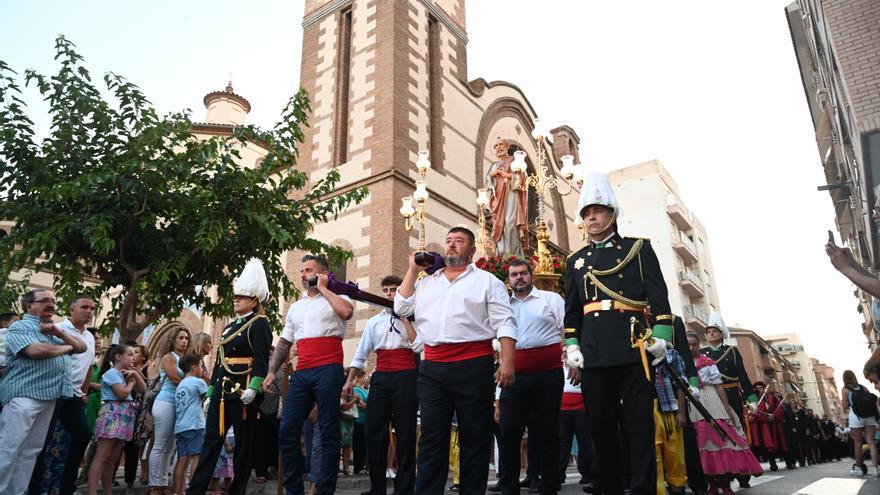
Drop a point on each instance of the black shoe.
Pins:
(533, 487)
(774, 467)
(588, 488)
(583, 481)
(744, 482)
(525, 482)
(496, 488)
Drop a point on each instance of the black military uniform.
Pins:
(606, 284)
(242, 361)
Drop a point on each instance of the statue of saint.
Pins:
(507, 205)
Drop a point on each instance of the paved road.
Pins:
(823, 479)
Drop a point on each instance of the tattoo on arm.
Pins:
(282, 352)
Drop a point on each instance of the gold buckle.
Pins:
(606, 304)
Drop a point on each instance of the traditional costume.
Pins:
(720, 456)
(239, 369)
(607, 283)
(393, 399)
(534, 398)
(736, 384)
(766, 423)
(457, 320)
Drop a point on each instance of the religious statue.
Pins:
(507, 205)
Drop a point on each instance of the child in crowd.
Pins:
(115, 423)
(224, 469)
(189, 421)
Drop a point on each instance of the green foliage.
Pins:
(10, 294)
(152, 212)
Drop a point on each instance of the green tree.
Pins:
(156, 213)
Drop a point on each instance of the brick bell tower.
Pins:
(388, 78)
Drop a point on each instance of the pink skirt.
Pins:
(116, 420)
(720, 456)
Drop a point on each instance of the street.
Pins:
(824, 479)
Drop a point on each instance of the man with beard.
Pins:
(316, 323)
(736, 384)
(537, 393)
(611, 283)
(458, 311)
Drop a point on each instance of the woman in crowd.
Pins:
(861, 427)
(163, 408)
(202, 347)
(722, 459)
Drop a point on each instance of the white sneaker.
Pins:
(389, 474)
(856, 471)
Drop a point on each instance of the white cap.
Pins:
(252, 281)
(716, 321)
(596, 190)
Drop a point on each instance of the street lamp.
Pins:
(541, 181)
(484, 243)
(408, 211)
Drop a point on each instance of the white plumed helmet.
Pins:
(252, 281)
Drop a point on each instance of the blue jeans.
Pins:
(321, 386)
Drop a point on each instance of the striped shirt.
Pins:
(33, 378)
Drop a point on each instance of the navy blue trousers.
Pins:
(322, 386)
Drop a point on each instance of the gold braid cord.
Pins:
(593, 275)
(229, 339)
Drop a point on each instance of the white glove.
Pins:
(207, 404)
(248, 396)
(573, 357)
(658, 350)
(695, 391)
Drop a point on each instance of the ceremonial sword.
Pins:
(681, 385)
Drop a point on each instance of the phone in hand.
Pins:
(831, 237)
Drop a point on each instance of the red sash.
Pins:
(395, 359)
(318, 351)
(538, 359)
(572, 401)
(450, 353)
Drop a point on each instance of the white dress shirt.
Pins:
(473, 307)
(539, 318)
(383, 331)
(81, 362)
(313, 317)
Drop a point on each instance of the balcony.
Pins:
(695, 317)
(678, 213)
(685, 248)
(691, 283)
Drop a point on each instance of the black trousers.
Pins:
(359, 447)
(393, 400)
(533, 451)
(464, 388)
(537, 396)
(244, 444)
(604, 389)
(696, 478)
(130, 456)
(71, 414)
(266, 436)
(574, 424)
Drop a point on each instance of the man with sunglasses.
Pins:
(392, 392)
(38, 353)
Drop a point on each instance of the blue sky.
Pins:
(710, 89)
